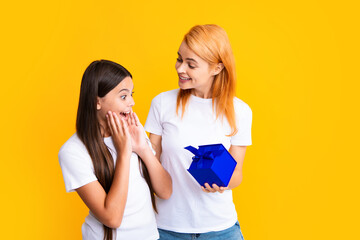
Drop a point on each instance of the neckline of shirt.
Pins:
(199, 99)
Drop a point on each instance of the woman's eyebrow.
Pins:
(190, 59)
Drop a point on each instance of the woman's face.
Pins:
(194, 72)
(118, 100)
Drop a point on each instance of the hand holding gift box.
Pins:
(212, 164)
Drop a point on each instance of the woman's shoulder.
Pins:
(166, 98)
(168, 94)
(241, 106)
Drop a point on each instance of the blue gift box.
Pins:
(212, 164)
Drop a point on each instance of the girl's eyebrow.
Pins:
(125, 89)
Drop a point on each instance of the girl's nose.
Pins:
(132, 102)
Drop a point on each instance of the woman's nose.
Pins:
(180, 68)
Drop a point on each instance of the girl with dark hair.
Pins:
(109, 162)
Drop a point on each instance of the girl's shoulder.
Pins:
(73, 146)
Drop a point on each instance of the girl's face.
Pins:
(118, 100)
(194, 72)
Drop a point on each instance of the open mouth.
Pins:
(125, 115)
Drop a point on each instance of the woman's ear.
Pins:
(98, 103)
(218, 68)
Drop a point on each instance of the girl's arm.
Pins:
(159, 177)
(109, 208)
(238, 153)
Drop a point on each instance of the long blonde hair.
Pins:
(211, 43)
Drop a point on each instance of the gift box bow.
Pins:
(204, 154)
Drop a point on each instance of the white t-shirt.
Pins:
(139, 219)
(189, 209)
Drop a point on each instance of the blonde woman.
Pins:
(203, 111)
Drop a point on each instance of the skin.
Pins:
(198, 75)
(128, 136)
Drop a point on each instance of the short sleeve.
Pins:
(243, 124)
(77, 167)
(153, 121)
(149, 143)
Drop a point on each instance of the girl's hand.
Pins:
(120, 133)
(214, 188)
(137, 133)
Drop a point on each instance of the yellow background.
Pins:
(297, 64)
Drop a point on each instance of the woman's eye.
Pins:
(132, 93)
(123, 97)
(192, 67)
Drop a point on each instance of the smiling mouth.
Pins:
(183, 79)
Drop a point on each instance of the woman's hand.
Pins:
(214, 188)
(137, 133)
(120, 133)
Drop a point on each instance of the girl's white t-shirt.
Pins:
(78, 170)
(189, 209)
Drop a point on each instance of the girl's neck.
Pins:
(105, 131)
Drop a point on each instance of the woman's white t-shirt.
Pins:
(78, 170)
(189, 209)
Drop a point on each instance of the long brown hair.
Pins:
(211, 43)
(99, 78)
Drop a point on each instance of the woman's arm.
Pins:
(156, 144)
(159, 177)
(109, 208)
(238, 153)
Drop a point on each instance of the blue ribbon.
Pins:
(200, 155)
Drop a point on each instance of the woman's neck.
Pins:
(202, 94)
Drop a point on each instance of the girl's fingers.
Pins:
(128, 120)
(136, 119)
(133, 119)
(118, 124)
(112, 123)
(125, 128)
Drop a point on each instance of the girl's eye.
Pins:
(123, 97)
(132, 93)
(192, 67)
